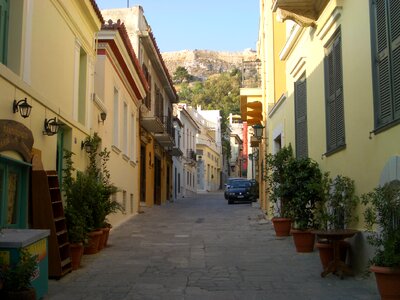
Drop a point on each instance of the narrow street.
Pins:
(203, 248)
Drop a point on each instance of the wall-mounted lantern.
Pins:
(23, 107)
(51, 126)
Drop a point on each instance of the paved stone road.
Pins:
(203, 248)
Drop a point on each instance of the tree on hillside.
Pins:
(181, 75)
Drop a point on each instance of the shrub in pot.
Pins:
(382, 218)
(336, 212)
(279, 195)
(305, 183)
(16, 279)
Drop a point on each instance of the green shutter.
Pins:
(4, 13)
(300, 98)
(394, 29)
(330, 102)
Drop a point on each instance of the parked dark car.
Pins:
(228, 184)
(239, 191)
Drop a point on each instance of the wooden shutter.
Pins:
(384, 94)
(335, 130)
(300, 98)
(4, 13)
(394, 29)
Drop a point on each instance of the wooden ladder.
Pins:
(48, 213)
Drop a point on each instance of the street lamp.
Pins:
(258, 131)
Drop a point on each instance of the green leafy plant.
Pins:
(275, 176)
(382, 218)
(304, 183)
(76, 210)
(18, 277)
(336, 211)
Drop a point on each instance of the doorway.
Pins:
(142, 174)
(157, 180)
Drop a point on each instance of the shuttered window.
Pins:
(4, 13)
(300, 99)
(335, 132)
(386, 18)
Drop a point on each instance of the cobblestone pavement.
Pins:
(203, 248)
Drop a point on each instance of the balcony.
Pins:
(152, 124)
(191, 154)
(303, 12)
(175, 151)
(166, 136)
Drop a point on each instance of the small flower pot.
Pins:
(282, 226)
(76, 251)
(93, 242)
(304, 240)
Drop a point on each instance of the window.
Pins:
(386, 61)
(133, 138)
(82, 87)
(13, 33)
(300, 99)
(335, 131)
(116, 118)
(125, 130)
(124, 201)
(4, 15)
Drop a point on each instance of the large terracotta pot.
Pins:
(304, 240)
(93, 242)
(106, 232)
(19, 295)
(282, 226)
(76, 251)
(102, 239)
(326, 252)
(388, 281)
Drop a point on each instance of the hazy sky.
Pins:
(222, 25)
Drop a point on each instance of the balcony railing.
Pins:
(167, 137)
(191, 154)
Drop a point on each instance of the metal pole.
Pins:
(127, 3)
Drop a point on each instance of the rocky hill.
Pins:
(203, 63)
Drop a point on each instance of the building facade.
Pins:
(331, 80)
(58, 89)
(156, 132)
(119, 88)
(190, 129)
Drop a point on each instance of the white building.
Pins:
(187, 177)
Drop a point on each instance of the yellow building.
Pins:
(47, 55)
(119, 88)
(335, 102)
(157, 132)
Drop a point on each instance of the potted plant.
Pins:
(382, 218)
(16, 279)
(336, 213)
(75, 210)
(305, 183)
(279, 194)
(102, 204)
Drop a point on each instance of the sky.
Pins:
(219, 25)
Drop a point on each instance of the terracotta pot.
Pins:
(388, 281)
(326, 252)
(282, 226)
(303, 240)
(76, 250)
(93, 242)
(106, 230)
(102, 239)
(19, 295)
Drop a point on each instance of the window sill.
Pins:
(385, 127)
(333, 151)
(115, 149)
